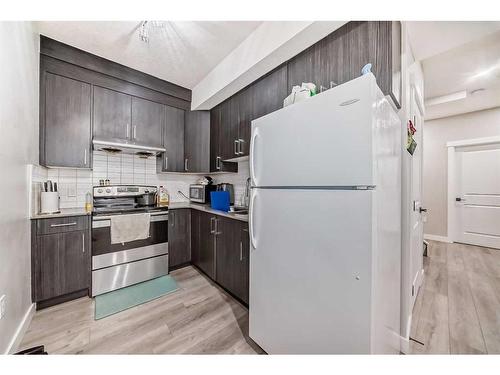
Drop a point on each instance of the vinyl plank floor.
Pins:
(198, 318)
(457, 310)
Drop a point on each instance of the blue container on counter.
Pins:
(219, 200)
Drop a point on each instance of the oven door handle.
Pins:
(105, 221)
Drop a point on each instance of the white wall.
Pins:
(437, 133)
(18, 148)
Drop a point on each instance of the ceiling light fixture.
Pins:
(143, 32)
(146, 27)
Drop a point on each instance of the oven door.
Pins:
(115, 266)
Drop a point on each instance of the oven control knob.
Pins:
(99, 190)
(108, 190)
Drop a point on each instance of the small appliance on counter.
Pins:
(229, 188)
(200, 192)
(49, 198)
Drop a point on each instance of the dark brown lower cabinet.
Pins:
(220, 248)
(179, 237)
(203, 240)
(232, 257)
(60, 260)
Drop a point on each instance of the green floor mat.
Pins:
(125, 298)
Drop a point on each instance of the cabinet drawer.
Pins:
(61, 224)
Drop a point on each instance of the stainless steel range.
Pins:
(116, 265)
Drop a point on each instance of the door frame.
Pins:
(452, 165)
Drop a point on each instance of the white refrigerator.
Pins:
(325, 224)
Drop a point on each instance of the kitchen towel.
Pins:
(126, 228)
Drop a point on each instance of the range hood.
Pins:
(115, 146)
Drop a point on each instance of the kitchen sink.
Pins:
(238, 211)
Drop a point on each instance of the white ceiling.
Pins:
(454, 54)
(179, 52)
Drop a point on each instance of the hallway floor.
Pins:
(458, 307)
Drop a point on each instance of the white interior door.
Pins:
(416, 222)
(477, 198)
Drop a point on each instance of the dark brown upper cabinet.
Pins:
(220, 141)
(112, 114)
(197, 141)
(269, 92)
(147, 121)
(340, 56)
(65, 122)
(172, 160)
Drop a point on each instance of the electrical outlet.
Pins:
(2, 306)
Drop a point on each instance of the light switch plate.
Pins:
(2, 306)
(71, 190)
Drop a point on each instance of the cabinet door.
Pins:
(179, 237)
(232, 257)
(245, 107)
(173, 140)
(206, 259)
(112, 114)
(62, 264)
(67, 125)
(147, 121)
(197, 141)
(228, 132)
(269, 93)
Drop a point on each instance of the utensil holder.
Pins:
(49, 202)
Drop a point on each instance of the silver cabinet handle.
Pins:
(217, 162)
(186, 165)
(241, 251)
(240, 146)
(83, 242)
(62, 225)
(217, 227)
(135, 131)
(212, 226)
(236, 141)
(166, 162)
(85, 157)
(128, 130)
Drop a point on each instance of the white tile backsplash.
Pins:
(123, 169)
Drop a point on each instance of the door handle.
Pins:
(217, 227)
(236, 141)
(422, 209)
(85, 157)
(252, 156)
(212, 226)
(186, 164)
(240, 146)
(250, 219)
(166, 162)
(217, 162)
(63, 225)
(135, 131)
(83, 242)
(458, 199)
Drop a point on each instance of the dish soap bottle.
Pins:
(88, 202)
(163, 197)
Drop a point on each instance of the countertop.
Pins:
(206, 208)
(65, 212)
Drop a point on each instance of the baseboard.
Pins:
(434, 237)
(21, 330)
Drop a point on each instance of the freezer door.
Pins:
(310, 270)
(323, 141)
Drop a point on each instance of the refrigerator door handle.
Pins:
(252, 156)
(250, 219)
